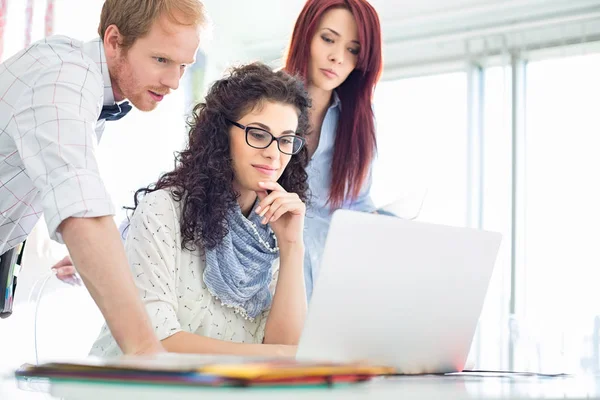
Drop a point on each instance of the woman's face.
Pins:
(252, 165)
(334, 49)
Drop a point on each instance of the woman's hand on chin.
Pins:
(283, 211)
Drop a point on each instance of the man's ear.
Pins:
(112, 41)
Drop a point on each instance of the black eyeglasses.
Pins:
(261, 139)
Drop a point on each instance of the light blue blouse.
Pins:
(318, 213)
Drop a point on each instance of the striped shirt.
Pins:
(51, 95)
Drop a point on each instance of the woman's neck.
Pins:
(321, 99)
(246, 201)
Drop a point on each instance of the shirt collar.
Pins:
(95, 49)
(336, 101)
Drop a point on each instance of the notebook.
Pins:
(200, 370)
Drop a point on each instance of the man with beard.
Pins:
(55, 98)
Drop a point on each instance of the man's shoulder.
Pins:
(55, 48)
(43, 53)
(66, 60)
(48, 62)
(64, 51)
(61, 41)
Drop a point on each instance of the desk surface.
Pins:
(422, 388)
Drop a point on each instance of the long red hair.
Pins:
(355, 142)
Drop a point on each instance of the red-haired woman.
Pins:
(336, 48)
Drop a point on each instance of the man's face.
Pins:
(154, 64)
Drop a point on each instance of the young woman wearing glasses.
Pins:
(216, 245)
(341, 63)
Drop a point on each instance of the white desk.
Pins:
(422, 388)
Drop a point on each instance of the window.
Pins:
(559, 295)
(422, 147)
(490, 350)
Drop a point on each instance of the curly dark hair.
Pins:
(203, 175)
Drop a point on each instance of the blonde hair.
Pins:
(134, 18)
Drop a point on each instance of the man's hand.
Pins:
(65, 271)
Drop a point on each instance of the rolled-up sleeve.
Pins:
(55, 137)
(153, 250)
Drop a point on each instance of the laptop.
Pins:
(401, 293)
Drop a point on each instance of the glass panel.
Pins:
(422, 144)
(561, 235)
